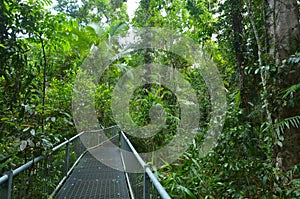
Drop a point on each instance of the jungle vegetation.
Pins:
(254, 43)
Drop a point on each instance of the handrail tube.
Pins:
(79, 134)
(163, 193)
(18, 170)
(4, 178)
(27, 165)
(156, 183)
(97, 130)
(135, 153)
(66, 141)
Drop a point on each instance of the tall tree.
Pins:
(238, 46)
(284, 39)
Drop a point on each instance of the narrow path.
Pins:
(94, 180)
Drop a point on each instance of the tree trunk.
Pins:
(284, 37)
(263, 72)
(238, 45)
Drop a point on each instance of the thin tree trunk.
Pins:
(147, 57)
(236, 17)
(44, 82)
(263, 72)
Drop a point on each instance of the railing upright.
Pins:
(67, 158)
(146, 184)
(8, 189)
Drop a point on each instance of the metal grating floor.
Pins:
(93, 179)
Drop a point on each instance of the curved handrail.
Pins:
(18, 170)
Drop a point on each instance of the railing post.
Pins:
(146, 187)
(6, 192)
(67, 158)
(121, 140)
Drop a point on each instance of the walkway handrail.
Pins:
(18, 170)
(79, 134)
(148, 174)
(161, 190)
(15, 172)
(8, 176)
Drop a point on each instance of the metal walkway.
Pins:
(92, 179)
(77, 169)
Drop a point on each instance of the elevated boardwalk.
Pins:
(92, 179)
(74, 171)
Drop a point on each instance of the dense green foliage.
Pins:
(41, 52)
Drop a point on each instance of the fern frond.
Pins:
(291, 90)
(288, 123)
